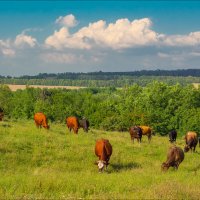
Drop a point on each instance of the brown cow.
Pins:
(175, 156)
(146, 130)
(41, 120)
(103, 150)
(135, 132)
(1, 114)
(72, 123)
(191, 141)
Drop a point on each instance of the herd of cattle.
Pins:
(103, 148)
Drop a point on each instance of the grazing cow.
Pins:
(41, 120)
(172, 136)
(135, 132)
(1, 114)
(84, 123)
(146, 130)
(175, 156)
(103, 150)
(191, 141)
(72, 123)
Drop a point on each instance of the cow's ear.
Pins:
(95, 163)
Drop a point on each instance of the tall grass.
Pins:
(57, 164)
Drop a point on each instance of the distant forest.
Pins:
(108, 79)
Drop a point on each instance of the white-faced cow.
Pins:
(103, 150)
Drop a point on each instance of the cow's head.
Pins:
(101, 164)
(76, 130)
(164, 167)
(186, 148)
(46, 126)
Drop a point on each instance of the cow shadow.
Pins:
(127, 166)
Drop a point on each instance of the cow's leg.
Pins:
(176, 166)
(149, 137)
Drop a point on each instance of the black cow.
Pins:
(84, 123)
(172, 136)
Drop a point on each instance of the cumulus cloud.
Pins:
(68, 21)
(192, 39)
(62, 39)
(119, 35)
(6, 49)
(23, 40)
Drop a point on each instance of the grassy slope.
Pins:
(56, 164)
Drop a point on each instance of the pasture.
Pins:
(57, 164)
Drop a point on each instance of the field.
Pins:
(196, 85)
(56, 164)
(22, 87)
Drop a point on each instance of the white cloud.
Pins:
(68, 21)
(6, 49)
(192, 39)
(61, 58)
(23, 40)
(119, 35)
(62, 39)
(163, 55)
(195, 54)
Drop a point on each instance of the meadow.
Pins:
(57, 164)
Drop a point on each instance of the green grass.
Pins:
(56, 164)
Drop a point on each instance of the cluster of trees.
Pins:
(159, 105)
(87, 81)
(108, 79)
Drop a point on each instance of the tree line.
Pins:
(119, 81)
(159, 105)
(108, 79)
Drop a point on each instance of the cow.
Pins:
(41, 120)
(191, 141)
(72, 123)
(175, 156)
(135, 132)
(146, 130)
(84, 123)
(172, 136)
(103, 150)
(1, 114)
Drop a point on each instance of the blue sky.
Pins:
(85, 36)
